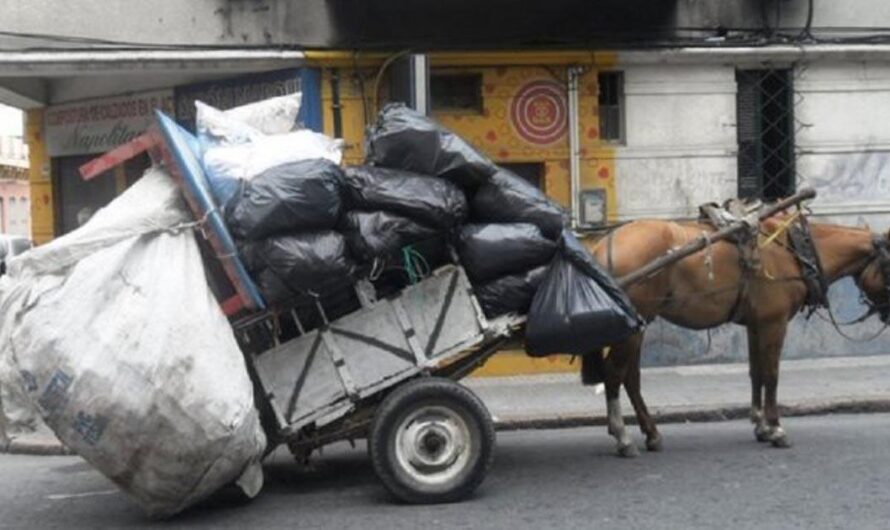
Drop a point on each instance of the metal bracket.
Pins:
(410, 334)
(339, 362)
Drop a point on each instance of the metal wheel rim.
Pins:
(432, 445)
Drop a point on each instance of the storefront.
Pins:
(77, 132)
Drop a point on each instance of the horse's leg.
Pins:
(761, 431)
(632, 386)
(615, 370)
(770, 339)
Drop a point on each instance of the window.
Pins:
(611, 106)
(456, 92)
(765, 117)
(12, 211)
(531, 172)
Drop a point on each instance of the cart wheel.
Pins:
(432, 441)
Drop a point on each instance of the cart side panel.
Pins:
(442, 312)
(301, 378)
(373, 345)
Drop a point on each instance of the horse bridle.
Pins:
(880, 256)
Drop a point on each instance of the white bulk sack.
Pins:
(126, 354)
(239, 144)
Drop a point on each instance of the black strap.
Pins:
(609, 250)
(807, 255)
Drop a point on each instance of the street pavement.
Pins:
(710, 475)
(676, 394)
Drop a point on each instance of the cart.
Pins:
(386, 371)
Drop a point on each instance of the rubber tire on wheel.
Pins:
(414, 398)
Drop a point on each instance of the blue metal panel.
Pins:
(310, 108)
(183, 146)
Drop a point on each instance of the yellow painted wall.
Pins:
(493, 131)
(42, 207)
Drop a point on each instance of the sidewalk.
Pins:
(676, 394)
(691, 393)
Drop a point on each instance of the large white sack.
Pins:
(247, 160)
(17, 415)
(125, 352)
(236, 145)
(276, 115)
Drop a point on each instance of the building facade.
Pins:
(15, 193)
(619, 110)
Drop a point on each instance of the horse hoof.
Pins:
(762, 434)
(780, 442)
(654, 444)
(628, 451)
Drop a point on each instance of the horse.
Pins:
(713, 287)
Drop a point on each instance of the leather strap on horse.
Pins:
(807, 255)
(745, 241)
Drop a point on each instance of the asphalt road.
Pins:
(709, 476)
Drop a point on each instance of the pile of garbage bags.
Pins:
(515, 247)
(306, 226)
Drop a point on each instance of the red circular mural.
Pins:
(538, 112)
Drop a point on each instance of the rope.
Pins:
(782, 228)
(416, 265)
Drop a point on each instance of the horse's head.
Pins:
(874, 280)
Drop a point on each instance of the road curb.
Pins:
(35, 447)
(44, 447)
(695, 414)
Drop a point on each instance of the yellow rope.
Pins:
(782, 228)
(772, 237)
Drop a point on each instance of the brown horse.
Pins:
(706, 289)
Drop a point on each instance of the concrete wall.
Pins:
(168, 22)
(681, 140)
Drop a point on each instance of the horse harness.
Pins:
(800, 243)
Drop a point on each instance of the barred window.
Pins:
(611, 106)
(765, 117)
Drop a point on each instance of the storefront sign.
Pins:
(100, 125)
(539, 112)
(227, 93)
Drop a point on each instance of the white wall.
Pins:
(681, 140)
(843, 138)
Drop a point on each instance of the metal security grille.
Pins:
(611, 102)
(765, 110)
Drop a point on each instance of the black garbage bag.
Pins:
(405, 139)
(429, 200)
(494, 250)
(288, 266)
(578, 308)
(508, 198)
(377, 234)
(293, 197)
(511, 293)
